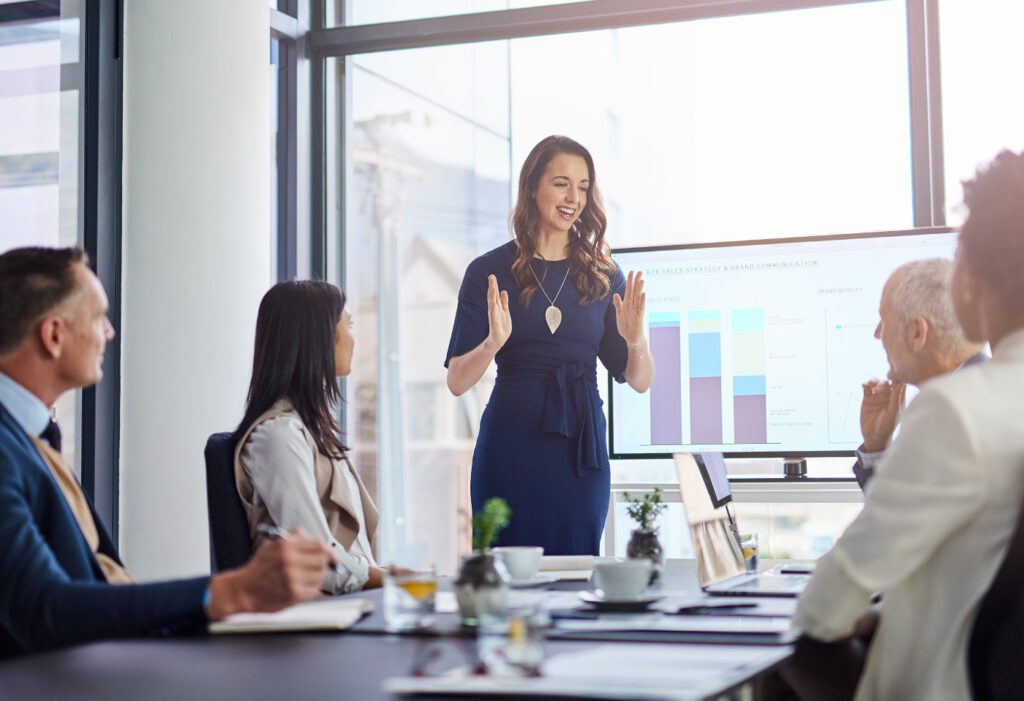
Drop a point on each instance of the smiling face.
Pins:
(561, 193)
(344, 345)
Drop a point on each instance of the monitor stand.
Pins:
(794, 468)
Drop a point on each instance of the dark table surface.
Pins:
(353, 665)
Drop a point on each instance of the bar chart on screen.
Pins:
(760, 347)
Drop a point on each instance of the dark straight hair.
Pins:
(294, 359)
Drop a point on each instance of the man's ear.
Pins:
(917, 333)
(51, 332)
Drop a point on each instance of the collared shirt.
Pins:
(30, 413)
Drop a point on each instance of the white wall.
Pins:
(196, 259)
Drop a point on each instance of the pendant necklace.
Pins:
(552, 315)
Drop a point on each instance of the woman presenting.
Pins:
(545, 307)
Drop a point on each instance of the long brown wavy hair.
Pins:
(589, 256)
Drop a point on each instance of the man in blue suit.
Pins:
(922, 340)
(61, 581)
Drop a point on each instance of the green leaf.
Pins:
(486, 523)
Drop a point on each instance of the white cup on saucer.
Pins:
(521, 561)
(622, 581)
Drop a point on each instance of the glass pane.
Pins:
(795, 531)
(785, 531)
(780, 124)
(982, 105)
(40, 97)
(673, 531)
(429, 191)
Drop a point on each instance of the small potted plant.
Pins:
(643, 542)
(483, 580)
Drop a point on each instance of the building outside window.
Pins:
(40, 107)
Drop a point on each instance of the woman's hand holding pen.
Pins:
(284, 571)
(498, 318)
(629, 310)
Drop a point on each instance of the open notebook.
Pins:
(324, 614)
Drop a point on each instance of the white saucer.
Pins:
(597, 600)
(538, 580)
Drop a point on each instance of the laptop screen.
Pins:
(715, 546)
(712, 469)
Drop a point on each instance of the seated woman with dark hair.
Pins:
(291, 466)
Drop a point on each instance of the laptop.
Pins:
(713, 530)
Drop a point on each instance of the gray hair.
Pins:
(922, 288)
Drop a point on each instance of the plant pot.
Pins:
(644, 545)
(482, 586)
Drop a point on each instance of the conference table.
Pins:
(354, 664)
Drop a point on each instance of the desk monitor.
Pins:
(760, 347)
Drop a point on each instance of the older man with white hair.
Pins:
(947, 498)
(922, 339)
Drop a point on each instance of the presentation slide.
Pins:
(761, 348)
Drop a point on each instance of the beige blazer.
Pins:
(936, 523)
(335, 498)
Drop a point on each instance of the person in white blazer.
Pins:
(946, 496)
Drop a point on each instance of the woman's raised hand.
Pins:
(629, 311)
(498, 318)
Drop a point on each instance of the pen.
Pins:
(704, 609)
(274, 532)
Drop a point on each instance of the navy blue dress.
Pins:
(542, 444)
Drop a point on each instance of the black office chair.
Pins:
(996, 643)
(230, 545)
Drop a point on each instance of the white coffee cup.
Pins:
(521, 561)
(622, 581)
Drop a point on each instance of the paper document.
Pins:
(328, 614)
(633, 671)
(681, 624)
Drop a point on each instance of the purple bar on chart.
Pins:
(666, 390)
(751, 418)
(705, 409)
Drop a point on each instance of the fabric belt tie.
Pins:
(569, 411)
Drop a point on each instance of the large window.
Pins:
(740, 127)
(812, 120)
(40, 107)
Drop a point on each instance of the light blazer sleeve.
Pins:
(279, 463)
(927, 487)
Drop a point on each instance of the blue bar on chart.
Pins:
(705, 344)
(749, 383)
(666, 390)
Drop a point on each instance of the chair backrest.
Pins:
(230, 545)
(996, 642)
